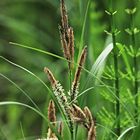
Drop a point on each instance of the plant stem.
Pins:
(116, 81)
(135, 66)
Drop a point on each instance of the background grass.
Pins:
(34, 23)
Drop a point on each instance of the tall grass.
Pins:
(89, 85)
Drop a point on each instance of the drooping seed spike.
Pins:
(64, 45)
(89, 117)
(78, 72)
(50, 76)
(78, 114)
(51, 112)
(71, 46)
(64, 20)
(92, 133)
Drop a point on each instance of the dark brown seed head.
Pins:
(71, 46)
(64, 46)
(89, 117)
(92, 133)
(50, 77)
(78, 114)
(79, 69)
(51, 112)
(64, 20)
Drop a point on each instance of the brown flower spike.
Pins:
(77, 74)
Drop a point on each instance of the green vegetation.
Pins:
(33, 36)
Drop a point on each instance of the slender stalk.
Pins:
(116, 84)
(116, 81)
(135, 66)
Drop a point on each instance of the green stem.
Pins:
(116, 84)
(116, 81)
(135, 82)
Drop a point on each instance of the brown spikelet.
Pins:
(51, 112)
(64, 45)
(50, 77)
(64, 20)
(78, 72)
(71, 46)
(89, 117)
(52, 119)
(92, 133)
(78, 114)
(60, 128)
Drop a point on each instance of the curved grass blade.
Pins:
(136, 133)
(28, 71)
(38, 50)
(25, 93)
(63, 114)
(33, 109)
(127, 130)
(107, 129)
(83, 29)
(98, 66)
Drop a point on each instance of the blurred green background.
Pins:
(35, 23)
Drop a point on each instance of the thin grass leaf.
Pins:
(124, 56)
(99, 63)
(38, 50)
(99, 125)
(28, 71)
(124, 133)
(25, 93)
(4, 103)
(63, 114)
(22, 131)
(83, 29)
(98, 66)
(136, 133)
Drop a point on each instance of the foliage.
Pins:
(31, 27)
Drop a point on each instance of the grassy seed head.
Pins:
(50, 77)
(51, 112)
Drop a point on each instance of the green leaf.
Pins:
(125, 132)
(131, 11)
(136, 134)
